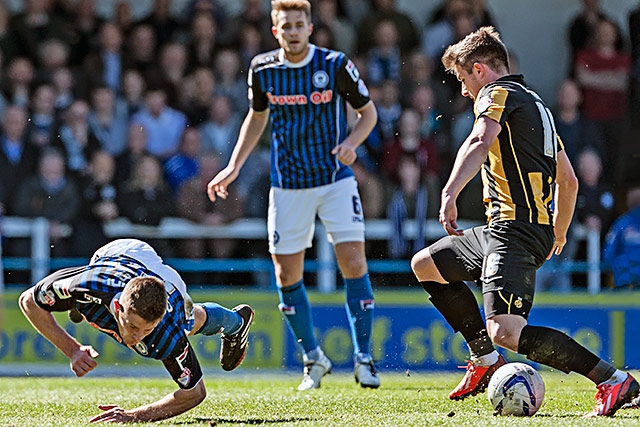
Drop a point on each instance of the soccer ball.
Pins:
(516, 389)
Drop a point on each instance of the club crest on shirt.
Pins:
(320, 79)
(483, 104)
(142, 348)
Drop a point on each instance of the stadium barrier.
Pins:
(40, 263)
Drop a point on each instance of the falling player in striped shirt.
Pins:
(128, 293)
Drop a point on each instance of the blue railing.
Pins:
(40, 262)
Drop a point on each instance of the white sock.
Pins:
(487, 359)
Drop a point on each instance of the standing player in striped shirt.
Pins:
(128, 293)
(524, 168)
(304, 90)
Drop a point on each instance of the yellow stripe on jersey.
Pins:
(498, 182)
(522, 181)
(519, 171)
(535, 179)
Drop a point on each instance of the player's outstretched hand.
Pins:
(346, 154)
(82, 361)
(112, 414)
(218, 185)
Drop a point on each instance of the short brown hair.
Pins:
(286, 5)
(146, 297)
(483, 45)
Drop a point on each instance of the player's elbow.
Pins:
(569, 183)
(202, 393)
(26, 300)
(197, 394)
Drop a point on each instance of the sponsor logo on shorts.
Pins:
(276, 237)
(357, 219)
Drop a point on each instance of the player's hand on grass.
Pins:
(345, 153)
(218, 185)
(82, 361)
(112, 414)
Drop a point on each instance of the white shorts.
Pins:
(147, 256)
(292, 215)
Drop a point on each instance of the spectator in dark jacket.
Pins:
(17, 158)
(51, 194)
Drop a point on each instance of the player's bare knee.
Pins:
(422, 265)
(199, 393)
(503, 335)
(286, 278)
(202, 394)
(283, 281)
(353, 267)
(282, 274)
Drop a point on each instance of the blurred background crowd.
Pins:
(105, 114)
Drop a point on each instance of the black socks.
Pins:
(459, 307)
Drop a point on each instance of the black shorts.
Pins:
(501, 257)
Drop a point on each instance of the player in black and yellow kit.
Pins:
(529, 190)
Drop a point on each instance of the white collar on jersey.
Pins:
(300, 64)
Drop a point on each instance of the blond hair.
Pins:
(146, 297)
(286, 5)
(483, 45)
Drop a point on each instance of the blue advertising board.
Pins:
(411, 336)
(417, 338)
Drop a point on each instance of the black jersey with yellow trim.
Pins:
(520, 170)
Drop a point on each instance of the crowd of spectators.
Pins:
(123, 117)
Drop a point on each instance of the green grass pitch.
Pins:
(252, 397)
